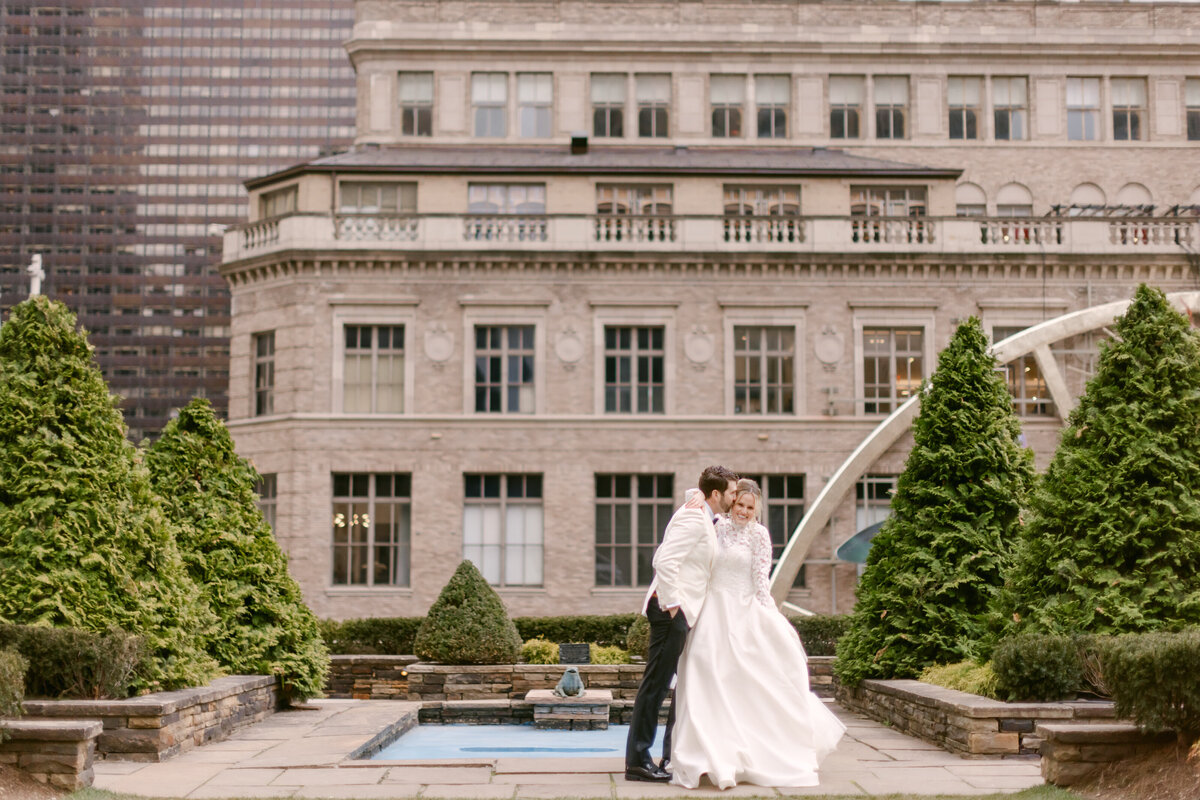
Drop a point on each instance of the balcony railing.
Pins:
(684, 233)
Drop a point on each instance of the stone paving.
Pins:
(304, 753)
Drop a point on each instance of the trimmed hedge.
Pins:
(637, 641)
(539, 651)
(1153, 680)
(79, 664)
(12, 682)
(965, 676)
(607, 630)
(820, 632)
(1037, 667)
(378, 636)
(468, 624)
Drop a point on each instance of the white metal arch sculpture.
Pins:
(1035, 340)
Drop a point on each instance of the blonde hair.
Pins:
(747, 486)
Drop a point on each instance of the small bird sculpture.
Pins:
(571, 684)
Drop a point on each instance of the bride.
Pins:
(744, 712)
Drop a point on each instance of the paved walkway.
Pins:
(304, 753)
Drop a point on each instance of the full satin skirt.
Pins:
(744, 711)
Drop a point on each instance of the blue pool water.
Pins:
(507, 741)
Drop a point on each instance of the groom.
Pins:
(682, 565)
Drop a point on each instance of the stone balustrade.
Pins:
(57, 752)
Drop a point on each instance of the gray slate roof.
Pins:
(610, 159)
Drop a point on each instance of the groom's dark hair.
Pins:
(716, 479)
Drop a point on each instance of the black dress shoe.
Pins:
(647, 772)
(665, 765)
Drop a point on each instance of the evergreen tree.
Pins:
(937, 561)
(1113, 540)
(83, 540)
(264, 627)
(468, 624)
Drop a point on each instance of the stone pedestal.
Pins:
(588, 711)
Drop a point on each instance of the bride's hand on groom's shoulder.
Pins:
(696, 500)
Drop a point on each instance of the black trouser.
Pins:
(667, 635)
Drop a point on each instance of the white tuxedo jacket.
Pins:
(683, 562)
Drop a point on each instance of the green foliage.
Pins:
(207, 489)
(1113, 541)
(1153, 680)
(468, 624)
(386, 636)
(965, 676)
(820, 632)
(937, 562)
(1037, 667)
(608, 655)
(1093, 651)
(604, 630)
(83, 539)
(12, 682)
(539, 651)
(76, 663)
(637, 641)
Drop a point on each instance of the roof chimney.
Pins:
(579, 144)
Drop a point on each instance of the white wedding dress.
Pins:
(744, 710)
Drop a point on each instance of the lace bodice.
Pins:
(742, 565)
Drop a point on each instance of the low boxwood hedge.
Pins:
(606, 630)
(378, 636)
(1153, 679)
(74, 663)
(820, 632)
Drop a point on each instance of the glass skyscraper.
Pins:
(126, 129)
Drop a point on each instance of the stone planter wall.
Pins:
(56, 752)
(383, 677)
(505, 712)
(155, 727)
(963, 723)
(1074, 751)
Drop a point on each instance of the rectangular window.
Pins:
(762, 201)
(873, 500)
(278, 202)
(504, 368)
(1083, 109)
(1031, 397)
(1192, 100)
(631, 513)
(416, 103)
(638, 199)
(727, 95)
(893, 360)
(374, 369)
(608, 105)
(372, 536)
(264, 373)
(506, 198)
(1009, 108)
(1129, 108)
(633, 370)
(653, 103)
(489, 104)
(891, 106)
(887, 201)
(266, 489)
(772, 96)
(764, 369)
(845, 106)
(503, 527)
(535, 95)
(377, 198)
(964, 96)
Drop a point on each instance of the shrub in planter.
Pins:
(608, 655)
(637, 640)
(75, 663)
(1037, 667)
(1092, 651)
(933, 570)
(604, 630)
(83, 538)
(12, 685)
(965, 676)
(264, 626)
(468, 624)
(820, 632)
(1153, 680)
(385, 636)
(539, 651)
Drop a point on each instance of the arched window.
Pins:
(970, 200)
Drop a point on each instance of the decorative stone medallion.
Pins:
(569, 348)
(699, 346)
(829, 347)
(439, 344)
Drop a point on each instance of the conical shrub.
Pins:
(1113, 540)
(83, 539)
(264, 627)
(937, 562)
(468, 624)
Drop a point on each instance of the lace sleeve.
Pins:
(761, 566)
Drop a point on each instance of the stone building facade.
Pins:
(571, 262)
